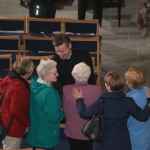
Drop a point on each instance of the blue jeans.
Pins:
(34, 148)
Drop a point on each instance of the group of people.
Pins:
(65, 88)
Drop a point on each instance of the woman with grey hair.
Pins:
(45, 107)
(74, 123)
(16, 102)
(81, 72)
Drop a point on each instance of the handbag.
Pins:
(94, 128)
(4, 131)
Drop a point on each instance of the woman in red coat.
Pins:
(16, 102)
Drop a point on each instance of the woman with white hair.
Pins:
(74, 123)
(45, 104)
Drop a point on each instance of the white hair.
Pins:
(45, 67)
(81, 72)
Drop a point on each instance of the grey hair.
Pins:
(60, 39)
(45, 66)
(81, 72)
(23, 65)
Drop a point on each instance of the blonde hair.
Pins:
(115, 81)
(81, 72)
(45, 66)
(135, 77)
(23, 65)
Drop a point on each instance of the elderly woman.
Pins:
(16, 102)
(81, 73)
(45, 104)
(139, 131)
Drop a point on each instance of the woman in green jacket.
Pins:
(45, 108)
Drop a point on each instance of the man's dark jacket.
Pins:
(64, 71)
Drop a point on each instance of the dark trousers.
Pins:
(80, 144)
(82, 6)
(43, 8)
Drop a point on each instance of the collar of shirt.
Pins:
(42, 82)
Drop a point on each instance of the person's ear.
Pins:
(107, 87)
(105, 84)
(129, 85)
(70, 46)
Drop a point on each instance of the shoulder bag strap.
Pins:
(10, 122)
(1, 100)
(102, 106)
(4, 92)
(2, 96)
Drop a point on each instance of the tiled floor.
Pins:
(122, 47)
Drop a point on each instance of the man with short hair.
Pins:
(67, 58)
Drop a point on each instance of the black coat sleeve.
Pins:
(138, 113)
(60, 82)
(92, 79)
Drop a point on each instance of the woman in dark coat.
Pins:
(117, 109)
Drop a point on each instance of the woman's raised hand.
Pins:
(77, 94)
